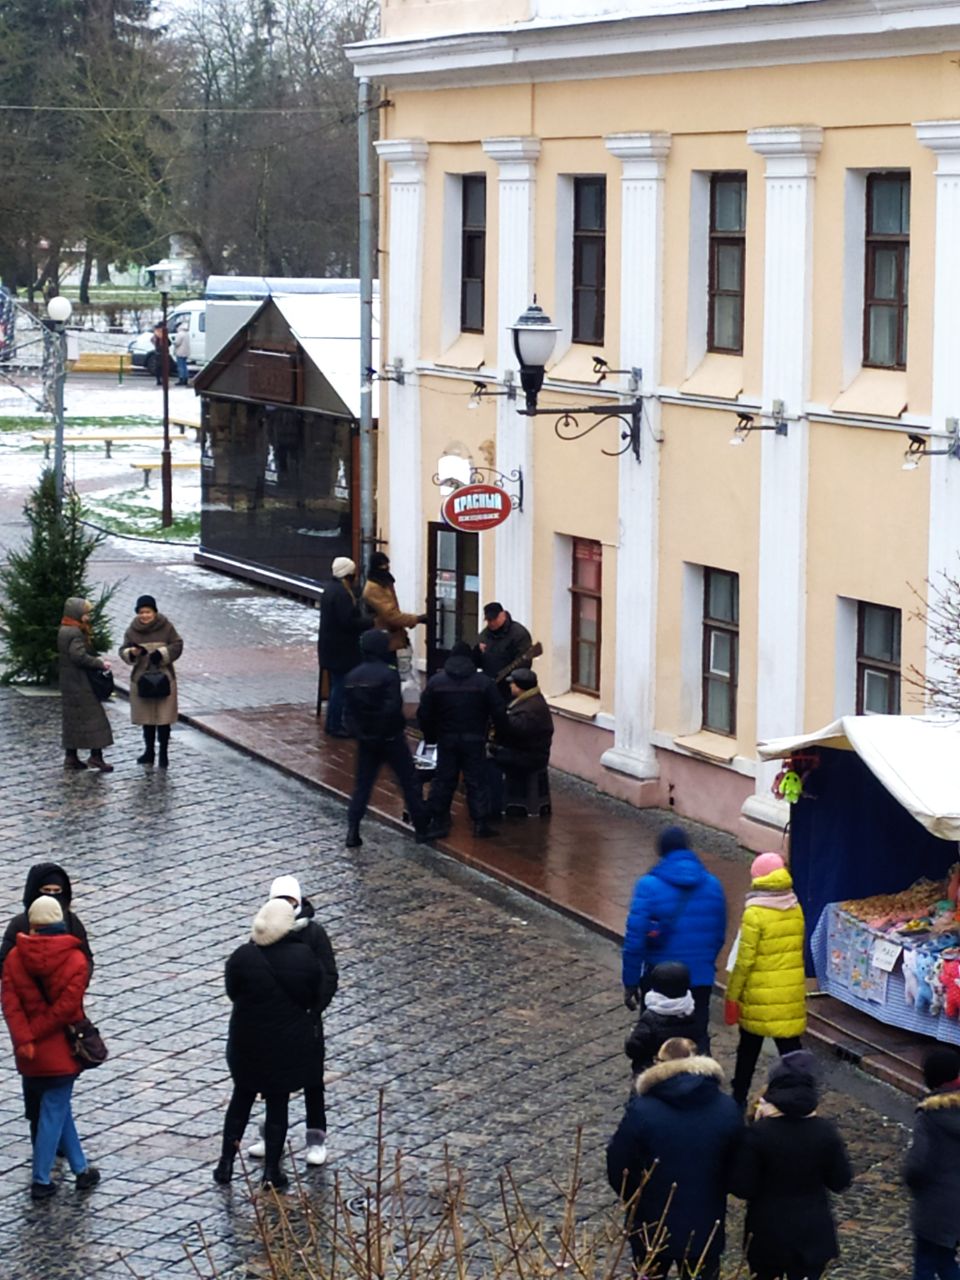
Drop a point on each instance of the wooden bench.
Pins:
(109, 438)
(147, 467)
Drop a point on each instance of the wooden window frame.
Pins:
(712, 625)
(576, 592)
(725, 239)
(867, 662)
(581, 237)
(472, 234)
(900, 242)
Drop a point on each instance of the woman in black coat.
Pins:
(787, 1162)
(274, 1045)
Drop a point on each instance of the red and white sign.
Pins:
(476, 507)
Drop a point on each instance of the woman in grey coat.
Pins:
(85, 723)
(151, 644)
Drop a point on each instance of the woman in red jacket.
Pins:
(45, 978)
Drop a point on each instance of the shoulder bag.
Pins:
(86, 1043)
(101, 682)
(153, 684)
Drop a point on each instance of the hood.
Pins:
(681, 868)
(683, 1082)
(793, 1094)
(43, 953)
(375, 643)
(943, 1110)
(76, 607)
(775, 881)
(37, 875)
(460, 667)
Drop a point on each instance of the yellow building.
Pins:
(742, 202)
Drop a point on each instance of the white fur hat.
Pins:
(286, 887)
(272, 922)
(343, 567)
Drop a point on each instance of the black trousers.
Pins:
(371, 757)
(748, 1051)
(462, 756)
(239, 1108)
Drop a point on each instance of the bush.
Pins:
(38, 579)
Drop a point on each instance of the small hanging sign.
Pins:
(475, 507)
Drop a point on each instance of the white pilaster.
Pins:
(405, 159)
(791, 155)
(517, 158)
(943, 138)
(644, 158)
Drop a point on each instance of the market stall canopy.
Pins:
(916, 758)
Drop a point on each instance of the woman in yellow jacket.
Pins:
(766, 993)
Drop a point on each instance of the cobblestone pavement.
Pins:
(495, 1028)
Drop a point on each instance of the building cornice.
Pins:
(697, 37)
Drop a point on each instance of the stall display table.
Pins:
(863, 967)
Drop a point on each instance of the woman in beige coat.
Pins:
(381, 597)
(151, 645)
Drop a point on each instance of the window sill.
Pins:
(882, 392)
(575, 706)
(716, 375)
(714, 746)
(467, 352)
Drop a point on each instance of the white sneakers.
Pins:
(257, 1150)
(316, 1148)
(317, 1153)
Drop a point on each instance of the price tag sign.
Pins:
(885, 954)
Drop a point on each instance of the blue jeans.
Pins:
(335, 701)
(55, 1128)
(934, 1261)
(182, 368)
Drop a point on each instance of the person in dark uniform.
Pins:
(456, 711)
(373, 714)
(501, 644)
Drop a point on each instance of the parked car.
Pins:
(144, 355)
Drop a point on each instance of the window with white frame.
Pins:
(721, 650)
(878, 659)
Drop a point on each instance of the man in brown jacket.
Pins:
(381, 597)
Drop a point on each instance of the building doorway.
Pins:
(453, 591)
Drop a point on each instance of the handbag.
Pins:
(101, 682)
(153, 684)
(86, 1044)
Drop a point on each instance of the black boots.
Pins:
(71, 760)
(353, 840)
(274, 1136)
(149, 743)
(97, 761)
(484, 831)
(231, 1144)
(163, 732)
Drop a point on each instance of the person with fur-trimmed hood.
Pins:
(670, 1159)
(309, 930)
(932, 1169)
(668, 1013)
(788, 1161)
(276, 985)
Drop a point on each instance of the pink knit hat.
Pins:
(764, 864)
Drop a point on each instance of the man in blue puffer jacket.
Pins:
(678, 912)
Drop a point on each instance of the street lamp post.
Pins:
(163, 279)
(58, 313)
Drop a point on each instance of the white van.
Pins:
(143, 354)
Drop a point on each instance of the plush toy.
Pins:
(924, 968)
(950, 978)
(910, 984)
(935, 979)
(791, 786)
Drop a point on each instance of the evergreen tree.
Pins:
(39, 578)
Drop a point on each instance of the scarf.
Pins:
(382, 577)
(781, 901)
(76, 622)
(145, 627)
(524, 697)
(669, 1006)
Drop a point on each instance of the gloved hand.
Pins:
(631, 997)
(731, 1013)
(155, 658)
(424, 617)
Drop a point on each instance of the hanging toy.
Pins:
(789, 783)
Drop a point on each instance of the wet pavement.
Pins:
(494, 1025)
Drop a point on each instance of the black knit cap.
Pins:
(460, 650)
(940, 1067)
(670, 979)
(145, 602)
(492, 610)
(524, 678)
(672, 838)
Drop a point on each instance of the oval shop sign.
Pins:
(476, 507)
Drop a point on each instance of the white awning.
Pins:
(916, 758)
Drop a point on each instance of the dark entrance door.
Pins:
(453, 591)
